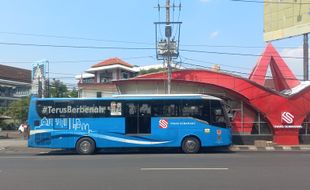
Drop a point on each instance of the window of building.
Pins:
(99, 94)
(106, 77)
(125, 75)
(88, 80)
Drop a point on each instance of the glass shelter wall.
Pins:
(245, 120)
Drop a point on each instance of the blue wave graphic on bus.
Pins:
(129, 141)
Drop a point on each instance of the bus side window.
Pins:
(145, 109)
(170, 110)
(157, 110)
(191, 110)
(217, 114)
(131, 109)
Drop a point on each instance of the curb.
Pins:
(270, 148)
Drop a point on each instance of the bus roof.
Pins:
(146, 97)
(163, 96)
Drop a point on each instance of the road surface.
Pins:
(240, 171)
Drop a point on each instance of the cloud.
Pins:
(296, 65)
(214, 34)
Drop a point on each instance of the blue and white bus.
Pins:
(129, 121)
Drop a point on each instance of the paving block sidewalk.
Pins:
(8, 143)
(270, 148)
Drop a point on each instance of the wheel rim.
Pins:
(85, 146)
(191, 145)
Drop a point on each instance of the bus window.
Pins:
(164, 109)
(191, 110)
(170, 110)
(157, 110)
(145, 109)
(217, 114)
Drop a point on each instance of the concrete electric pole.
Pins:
(168, 48)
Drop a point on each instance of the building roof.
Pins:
(15, 74)
(112, 61)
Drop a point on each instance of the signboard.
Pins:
(286, 18)
(287, 120)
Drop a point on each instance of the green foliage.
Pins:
(18, 110)
(153, 70)
(58, 89)
(73, 93)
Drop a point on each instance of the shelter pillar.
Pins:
(286, 136)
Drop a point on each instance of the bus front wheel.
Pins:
(85, 146)
(190, 145)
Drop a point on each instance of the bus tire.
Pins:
(191, 145)
(85, 146)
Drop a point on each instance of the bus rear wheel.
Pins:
(85, 146)
(190, 145)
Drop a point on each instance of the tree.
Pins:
(152, 70)
(18, 110)
(58, 89)
(73, 93)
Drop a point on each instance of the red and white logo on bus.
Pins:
(287, 118)
(163, 123)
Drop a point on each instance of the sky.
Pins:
(207, 25)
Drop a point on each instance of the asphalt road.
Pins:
(240, 171)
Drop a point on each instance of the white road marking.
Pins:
(182, 169)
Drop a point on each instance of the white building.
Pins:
(97, 80)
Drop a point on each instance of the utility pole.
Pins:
(168, 48)
(168, 36)
(306, 58)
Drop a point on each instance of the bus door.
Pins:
(138, 118)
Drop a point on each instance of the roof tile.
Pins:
(112, 61)
(15, 74)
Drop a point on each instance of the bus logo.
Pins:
(163, 123)
(287, 117)
(218, 132)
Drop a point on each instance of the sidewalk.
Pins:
(238, 148)
(20, 145)
(13, 141)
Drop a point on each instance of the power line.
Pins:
(73, 38)
(76, 47)
(232, 72)
(233, 46)
(135, 48)
(232, 53)
(80, 61)
(129, 42)
(207, 62)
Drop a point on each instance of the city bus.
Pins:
(189, 122)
